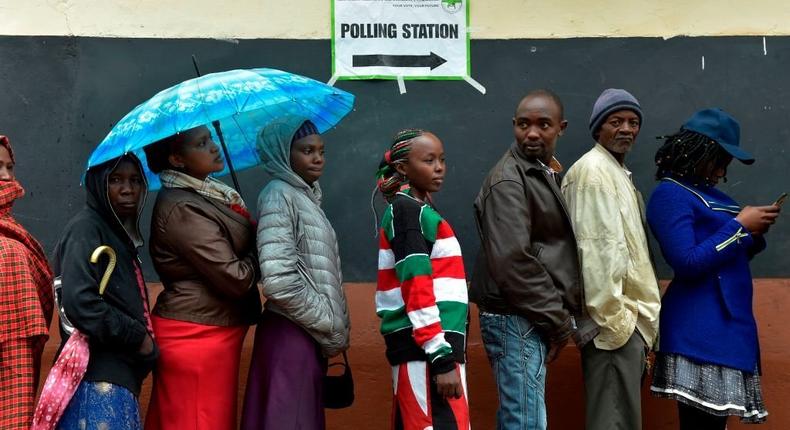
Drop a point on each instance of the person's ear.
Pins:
(563, 126)
(514, 121)
(401, 168)
(176, 161)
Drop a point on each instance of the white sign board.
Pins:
(388, 39)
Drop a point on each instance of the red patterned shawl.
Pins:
(26, 298)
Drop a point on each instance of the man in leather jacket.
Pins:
(527, 281)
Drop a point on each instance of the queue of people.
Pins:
(561, 258)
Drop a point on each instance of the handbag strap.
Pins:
(344, 363)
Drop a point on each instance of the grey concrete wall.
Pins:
(61, 95)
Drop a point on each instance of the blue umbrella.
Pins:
(243, 101)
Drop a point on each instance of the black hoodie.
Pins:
(114, 322)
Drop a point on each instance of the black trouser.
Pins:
(692, 418)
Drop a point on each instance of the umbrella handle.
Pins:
(104, 249)
(227, 156)
(221, 139)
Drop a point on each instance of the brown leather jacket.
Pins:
(204, 254)
(528, 263)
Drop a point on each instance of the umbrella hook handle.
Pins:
(104, 249)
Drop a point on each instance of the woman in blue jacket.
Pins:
(709, 359)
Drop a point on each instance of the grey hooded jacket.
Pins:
(297, 246)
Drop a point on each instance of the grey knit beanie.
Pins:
(612, 100)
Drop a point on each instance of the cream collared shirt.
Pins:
(607, 213)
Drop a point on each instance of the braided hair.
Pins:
(388, 180)
(685, 152)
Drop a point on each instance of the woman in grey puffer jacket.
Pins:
(306, 316)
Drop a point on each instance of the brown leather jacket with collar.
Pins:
(204, 253)
(528, 263)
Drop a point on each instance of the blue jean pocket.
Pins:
(525, 328)
(534, 355)
(534, 351)
(492, 330)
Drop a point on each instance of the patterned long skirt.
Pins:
(715, 389)
(417, 405)
(99, 406)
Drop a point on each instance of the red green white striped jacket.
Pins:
(421, 296)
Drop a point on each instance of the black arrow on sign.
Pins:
(433, 61)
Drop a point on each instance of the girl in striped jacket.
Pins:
(421, 296)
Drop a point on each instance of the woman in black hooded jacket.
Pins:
(117, 323)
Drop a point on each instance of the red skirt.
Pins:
(196, 381)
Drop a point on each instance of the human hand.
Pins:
(554, 350)
(147, 347)
(449, 385)
(650, 359)
(758, 219)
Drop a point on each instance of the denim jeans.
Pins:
(516, 353)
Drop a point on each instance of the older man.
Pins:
(526, 281)
(621, 291)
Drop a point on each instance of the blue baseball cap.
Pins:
(722, 128)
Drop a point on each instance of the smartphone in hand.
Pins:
(780, 201)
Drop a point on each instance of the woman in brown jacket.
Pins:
(203, 248)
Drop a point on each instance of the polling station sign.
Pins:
(391, 39)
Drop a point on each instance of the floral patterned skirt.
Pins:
(715, 389)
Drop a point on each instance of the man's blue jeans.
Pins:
(516, 353)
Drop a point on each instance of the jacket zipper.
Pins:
(734, 238)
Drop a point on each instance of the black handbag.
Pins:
(339, 389)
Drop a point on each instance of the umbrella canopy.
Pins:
(62, 382)
(243, 101)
